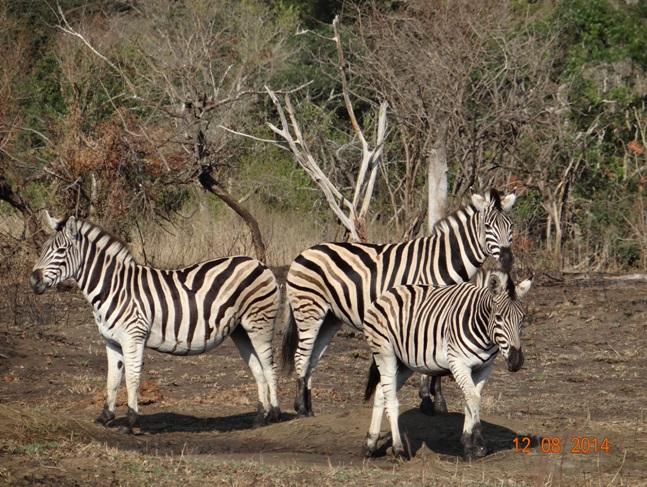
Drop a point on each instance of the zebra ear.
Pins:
(71, 228)
(523, 287)
(508, 201)
(51, 221)
(496, 283)
(479, 202)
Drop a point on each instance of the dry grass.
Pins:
(205, 232)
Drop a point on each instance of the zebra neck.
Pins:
(480, 332)
(102, 258)
(459, 240)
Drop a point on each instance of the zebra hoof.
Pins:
(440, 407)
(475, 448)
(399, 453)
(474, 453)
(427, 406)
(105, 417)
(368, 451)
(303, 413)
(274, 416)
(125, 430)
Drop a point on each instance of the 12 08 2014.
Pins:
(576, 444)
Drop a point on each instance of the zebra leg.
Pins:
(115, 373)
(133, 351)
(471, 384)
(392, 405)
(426, 405)
(479, 448)
(440, 406)
(303, 403)
(256, 352)
(373, 435)
(392, 376)
(308, 323)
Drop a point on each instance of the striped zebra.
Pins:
(182, 312)
(437, 331)
(333, 283)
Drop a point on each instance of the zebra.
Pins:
(333, 283)
(181, 312)
(441, 330)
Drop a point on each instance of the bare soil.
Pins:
(583, 386)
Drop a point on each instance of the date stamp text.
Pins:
(577, 444)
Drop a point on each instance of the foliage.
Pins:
(599, 31)
(548, 100)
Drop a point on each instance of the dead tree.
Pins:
(350, 212)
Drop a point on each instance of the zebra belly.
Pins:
(191, 339)
(439, 365)
(182, 347)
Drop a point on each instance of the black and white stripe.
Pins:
(333, 283)
(182, 312)
(434, 330)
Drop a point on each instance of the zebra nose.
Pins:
(36, 281)
(515, 360)
(506, 259)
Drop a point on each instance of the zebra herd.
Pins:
(411, 300)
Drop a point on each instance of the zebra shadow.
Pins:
(442, 434)
(169, 422)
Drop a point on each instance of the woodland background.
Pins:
(156, 119)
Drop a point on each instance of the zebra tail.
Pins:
(373, 380)
(290, 342)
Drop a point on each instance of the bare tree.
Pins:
(459, 91)
(290, 131)
(189, 69)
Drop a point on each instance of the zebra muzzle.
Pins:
(36, 282)
(515, 360)
(506, 259)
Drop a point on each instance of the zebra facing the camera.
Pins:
(181, 312)
(438, 331)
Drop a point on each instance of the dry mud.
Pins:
(583, 387)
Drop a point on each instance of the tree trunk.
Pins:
(437, 179)
(213, 186)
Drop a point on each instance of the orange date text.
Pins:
(577, 444)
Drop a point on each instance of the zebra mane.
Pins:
(511, 288)
(495, 197)
(110, 240)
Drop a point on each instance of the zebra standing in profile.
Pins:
(437, 331)
(181, 312)
(333, 283)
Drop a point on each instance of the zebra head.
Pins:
(497, 225)
(506, 317)
(60, 256)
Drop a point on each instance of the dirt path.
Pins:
(582, 387)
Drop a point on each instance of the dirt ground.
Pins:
(583, 387)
